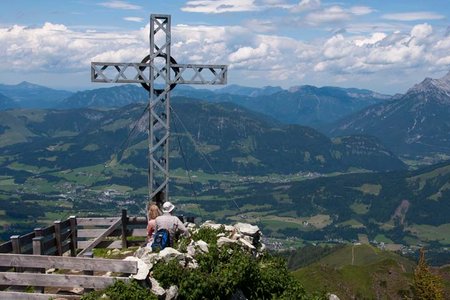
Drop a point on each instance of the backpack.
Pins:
(161, 239)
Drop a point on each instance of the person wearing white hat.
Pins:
(170, 223)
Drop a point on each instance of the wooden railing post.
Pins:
(16, 249)
(88, 254)
(15, 244)
(38, 245)
(124, 228)
(73, 236)
(58, 240)
(38, 232)
(38, 249)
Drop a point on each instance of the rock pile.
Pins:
(245, 235)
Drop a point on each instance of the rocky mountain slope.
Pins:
(415, 124)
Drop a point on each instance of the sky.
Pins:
(385, 46)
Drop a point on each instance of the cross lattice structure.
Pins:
(158, 73)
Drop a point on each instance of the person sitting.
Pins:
(152, 213)
(170, 223)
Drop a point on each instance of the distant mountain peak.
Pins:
(432, 85)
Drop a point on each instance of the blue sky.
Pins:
(386, 46)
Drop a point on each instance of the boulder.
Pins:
(203, 246)
(333, 297)
(172, 293)
(246, 244)
(143, 268)
(225, 241)
(168, 254)
(247, 229)
(211, 224)
(156, 288)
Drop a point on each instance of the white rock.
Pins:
(246, 244)
(168, 254)
(211, 224)
(203, 246)
(220, 235)
(115, 251)
(107, 274)
(229, 228)
(172, 293)
(262, 248)
(333, 297)
(225, 241)
(50, 271)
(157, 288)
(236, 236)
(191, 226)
(247, 229)
(249, 239)
(190, 249)
(143, 268)
(192, 264)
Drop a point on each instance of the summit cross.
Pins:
(158, 68)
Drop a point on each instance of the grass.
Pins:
(370, 189)
(352, 223)
(440, 233)
(360, 208)
(374, 274)
(381, 238)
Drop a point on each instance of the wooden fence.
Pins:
(35, 276)
(67, 245)
(75, 234)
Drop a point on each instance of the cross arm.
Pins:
(136, 73)
(119, 72)
(199, 74)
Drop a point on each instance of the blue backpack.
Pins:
(161, 239)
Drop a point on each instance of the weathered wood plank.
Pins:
(65, 224)
(139, 232)
(26, 238)
(100, 238)
(48, 230)
(56, 280)
(66, 246)
(96, 221)
(103, 244)
(90, 233)
(137, 221)
(34, 296)
(70, 263)
(73, 236)
(6, 247)
(47, 244)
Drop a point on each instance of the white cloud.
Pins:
(117, 4)
(273, 59)
(305, 5)
(331, 14)
(219, 6)
(413, 16)
(134, 19)
(361, 10)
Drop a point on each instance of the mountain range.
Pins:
(303, 105)
(414, 124)
(234, 139)
(29, 95)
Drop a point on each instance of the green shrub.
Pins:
(223, 271)
(122, 291)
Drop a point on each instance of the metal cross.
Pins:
(158, 73)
